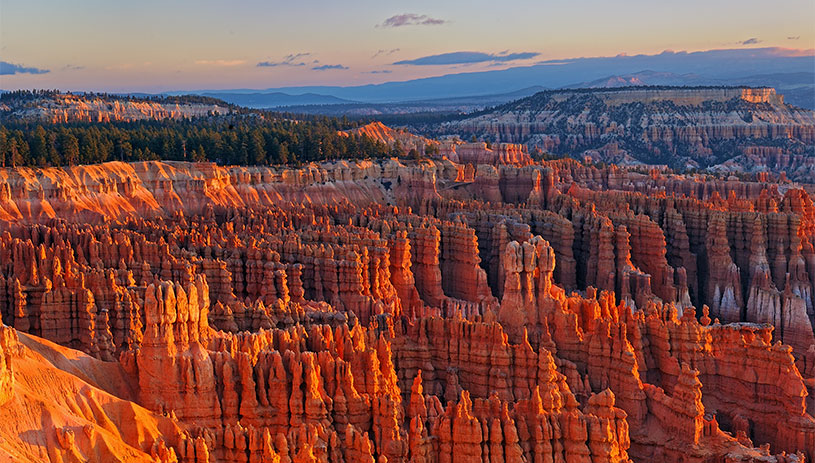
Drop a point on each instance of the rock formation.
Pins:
(424, 311)
(67, 107)
(725, 129)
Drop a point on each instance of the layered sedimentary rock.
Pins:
(460, 152)
(727, 129)
(482, 153)
(55, 108)
(394, 138)
(423, 311)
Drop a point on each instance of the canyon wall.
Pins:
(680, 96)
(725, 129)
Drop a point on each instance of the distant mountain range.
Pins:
(275, 99)
(798, 88)
(793, 74)
(643, 78)
(463, 104)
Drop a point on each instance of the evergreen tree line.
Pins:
(229, 140)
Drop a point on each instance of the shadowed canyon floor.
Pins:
(422, 311)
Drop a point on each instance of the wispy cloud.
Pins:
(751, 41)
(220, 62)
(127, 66)
(301, 59)
(294, 59)
(384, 52)
(72, 67)
(326, 67)
(411, 19)
(555, 62)
(467, 57)
(8, 69)
(794, 37)
(380, 71)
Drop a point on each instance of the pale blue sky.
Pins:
(157, 45)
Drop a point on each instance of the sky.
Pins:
(164, 45)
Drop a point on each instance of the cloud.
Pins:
(8, 69)
(127, 66)
(555, 62)
(467, 57)
(72, 67)
(220, 62)
(410, 19)
(294, 59)
(795, 37)
(326, 67)
(301, 59)
(751, 41)
(384, 52)
(380, 71)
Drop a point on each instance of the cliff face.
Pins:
(362, 311)
(481, 153)
(454, 150)
(62, 108)
(685, 96)
(380, 132)
(680, 127)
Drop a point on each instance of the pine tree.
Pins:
(39, 146)
(3, 146)
(14, 155)
(69, 147)
(257, 153)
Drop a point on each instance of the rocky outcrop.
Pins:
(394, 138)
(9, 348)
(724, 281)
(482, 153)
(173, 368)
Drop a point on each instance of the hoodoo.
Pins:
(384, 311)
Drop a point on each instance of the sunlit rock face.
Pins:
(61, 107)
(429, 311)
(456, 150)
